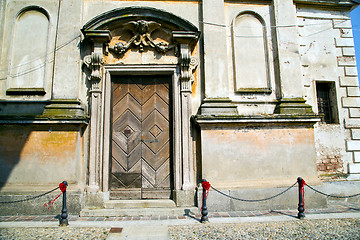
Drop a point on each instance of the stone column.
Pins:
(288, 60)
(215, 60)
(94, 61)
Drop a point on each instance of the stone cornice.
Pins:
(330, 3)
(260, 120)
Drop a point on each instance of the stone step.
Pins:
(152, 203)
(139, 212)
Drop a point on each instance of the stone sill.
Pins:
(60, 111)
(254, 90)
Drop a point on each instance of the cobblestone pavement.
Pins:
(304, 229)
(53, 233)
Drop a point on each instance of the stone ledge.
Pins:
(43, 112)
(258, 119)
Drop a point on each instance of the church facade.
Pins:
(138, 101)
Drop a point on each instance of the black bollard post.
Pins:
(301, 208)
(204, 212)
(64, 214)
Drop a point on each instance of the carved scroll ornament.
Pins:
(142, 31)
(93, 62)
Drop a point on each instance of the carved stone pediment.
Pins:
(141, 31)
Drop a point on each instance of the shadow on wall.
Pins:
(12, 140)
(39, 154)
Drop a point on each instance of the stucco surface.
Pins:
(237, 157)
(39, 155)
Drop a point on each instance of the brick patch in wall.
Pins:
(331, 167)
(330, 164)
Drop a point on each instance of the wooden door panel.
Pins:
(156, 160)
(156, 103)
(141, 138)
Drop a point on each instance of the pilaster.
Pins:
(215, 60)
(185, 39)
(288, 60)
(94, 62)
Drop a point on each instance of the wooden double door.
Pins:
(141, 163)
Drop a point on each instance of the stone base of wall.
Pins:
(36, 206)
(289, 200)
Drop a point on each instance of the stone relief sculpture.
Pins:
(142, 31)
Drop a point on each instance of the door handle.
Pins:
(150, 141)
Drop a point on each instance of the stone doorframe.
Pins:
(100, 106)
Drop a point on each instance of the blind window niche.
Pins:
(29, 53)
(251, 68)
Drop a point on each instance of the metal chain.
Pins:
(256, 200)
(31, 198)
(329, 195)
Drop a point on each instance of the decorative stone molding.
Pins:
(143, 25)
(184, 39)
(142, 31)
(93, 63)
(194, 62)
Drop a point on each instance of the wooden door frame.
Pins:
(182, 149)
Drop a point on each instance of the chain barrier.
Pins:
(255, 200)
(31, 198)
(329, 195)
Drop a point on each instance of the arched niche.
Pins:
(250, 48)
(29, 52)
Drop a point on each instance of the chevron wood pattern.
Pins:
(141, 146)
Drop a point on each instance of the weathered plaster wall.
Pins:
(40, 155)
(327, 55)
(244, 157)
(67, 83)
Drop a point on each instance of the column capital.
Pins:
(97, 36)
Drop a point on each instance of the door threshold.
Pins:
(140, 212)
(136, 203)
